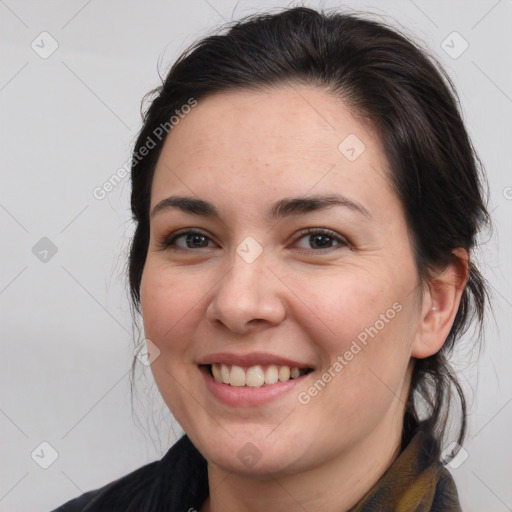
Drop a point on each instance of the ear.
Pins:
(440, 305)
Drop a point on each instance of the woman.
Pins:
(306, 200)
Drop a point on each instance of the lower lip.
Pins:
(241, 396)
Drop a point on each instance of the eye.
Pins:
(191, 240)
(321, 239)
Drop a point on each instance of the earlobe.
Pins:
(441, 302)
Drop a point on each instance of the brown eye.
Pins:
(321, 239)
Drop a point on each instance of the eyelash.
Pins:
(167, 241)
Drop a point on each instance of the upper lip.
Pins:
(252, 359)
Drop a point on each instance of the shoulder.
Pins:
(179, 477)
(91, 499)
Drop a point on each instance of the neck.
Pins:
(332, 487)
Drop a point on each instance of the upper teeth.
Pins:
(255, 376)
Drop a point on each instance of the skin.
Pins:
(243, 151)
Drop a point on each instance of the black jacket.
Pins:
(181, 473)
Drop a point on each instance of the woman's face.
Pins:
(341, 300)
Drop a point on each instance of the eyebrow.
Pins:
(283, 208)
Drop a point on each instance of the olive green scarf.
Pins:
(415, 482)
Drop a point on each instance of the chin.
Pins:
(252, 454)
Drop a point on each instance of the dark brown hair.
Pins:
(407, 97)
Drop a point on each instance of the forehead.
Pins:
(291, 140)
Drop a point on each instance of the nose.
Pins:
(248, 298)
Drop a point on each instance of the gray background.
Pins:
(68, 122)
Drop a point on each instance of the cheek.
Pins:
(171, 308)
(168, 302)
(364, 324)
(343, 304)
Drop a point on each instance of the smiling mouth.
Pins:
(255, 376)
